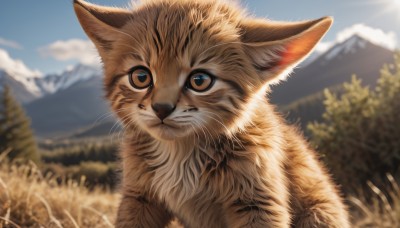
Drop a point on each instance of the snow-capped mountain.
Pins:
(24, 91)
(356, 55)
(56, 82)
(79, 106)
(350, 46)
(28, 88)
(27, 82)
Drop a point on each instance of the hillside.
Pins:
(19, 89)
(353, 56)
(69, 110)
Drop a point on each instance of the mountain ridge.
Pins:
(35, 87)
(355, 55)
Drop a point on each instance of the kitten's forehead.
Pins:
(171, 29)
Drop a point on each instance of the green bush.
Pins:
(359, 136)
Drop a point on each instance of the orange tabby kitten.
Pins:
(188, 79)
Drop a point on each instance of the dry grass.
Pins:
(383, 209)
(27, 199)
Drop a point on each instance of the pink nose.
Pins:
(162, 110)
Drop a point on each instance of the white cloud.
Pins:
(374, 35)
(10, 43)
(323, 46)
(73, 49)
(16, 67)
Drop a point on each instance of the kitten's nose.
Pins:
(162, 110)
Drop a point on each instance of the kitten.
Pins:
(188, 79)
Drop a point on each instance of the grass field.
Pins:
(29, 199)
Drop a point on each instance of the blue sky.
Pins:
(26, 27)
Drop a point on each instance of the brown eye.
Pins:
(200, 82)
(140, 77)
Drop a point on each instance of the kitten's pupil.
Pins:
(199, 80)
(142, 76)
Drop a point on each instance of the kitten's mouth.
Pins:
(168, 131)
(164, 126)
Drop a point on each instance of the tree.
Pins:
(359, 136)
(15, 131)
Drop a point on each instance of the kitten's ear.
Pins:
(101, 23)
(275, 47)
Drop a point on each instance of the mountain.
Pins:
(59, 103)
(55, 82)
(28, 88)
(68, 110)
(355, 55)
(23, 90)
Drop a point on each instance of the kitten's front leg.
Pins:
(260, 202)
(139, 208)
(259, 211)
(140, 212)
(315, 200)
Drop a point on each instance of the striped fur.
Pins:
(224, 157)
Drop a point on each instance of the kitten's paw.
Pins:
(320, 219)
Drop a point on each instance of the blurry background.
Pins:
(52, 109)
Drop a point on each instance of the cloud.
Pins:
(10, 43)
(323, 46)
(73, 49)
(16, 67)
(374, 35)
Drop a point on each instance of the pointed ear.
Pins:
(275, 47)
(101, 23)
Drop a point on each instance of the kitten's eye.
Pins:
(140, 77)
(200, 82)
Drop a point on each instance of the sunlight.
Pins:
(387, 6)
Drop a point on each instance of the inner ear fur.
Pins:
(274, 47)
(101, 23)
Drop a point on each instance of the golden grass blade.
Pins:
(393, 183)
(382, 196)
(3, 184)
(104, 217)
(9, 221)
(4, 154)
(361, 206)
(8, 201)
(48, 208)
(71, 218)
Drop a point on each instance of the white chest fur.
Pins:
(178, 168)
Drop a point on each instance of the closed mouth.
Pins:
(164, 126)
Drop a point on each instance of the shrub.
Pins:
(360, 132)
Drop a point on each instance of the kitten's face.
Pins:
(182, 68)
(178, 77)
